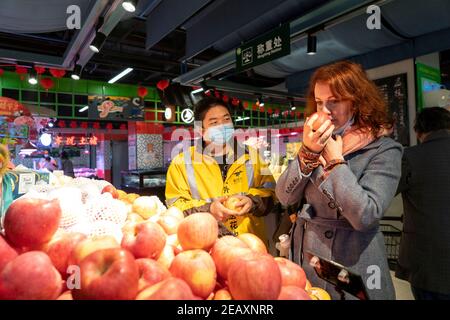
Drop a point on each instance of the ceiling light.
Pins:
(98, 42)
(32, 78)
(312, 45)
(46, 139)
(83, 109)
(197, 91)
(129, 5)
(120, 75)
(76, 73)
(242, 119)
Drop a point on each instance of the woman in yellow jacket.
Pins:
(202, 177)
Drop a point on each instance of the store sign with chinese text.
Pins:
(273, 45)
(75, 141)
(116, 108)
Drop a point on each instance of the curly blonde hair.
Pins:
(348, 81)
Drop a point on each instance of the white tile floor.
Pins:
(402, 288)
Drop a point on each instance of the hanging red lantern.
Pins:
(123, 126)
(235, 102)
(73, 124)
(39, 69)
(217, 94)
(163, 84)
(84, 125)
(96, 125)
(261, 109)
(245, 104)
(109, 126)
(47, 83)
(269, 111)
(225, 98)
(61, 124)
(142, 92)
(1, 72)
(22, 71)
(57, 73)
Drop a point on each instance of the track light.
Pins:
(76, 73)
(98, 42)
(32, 78)
(260, 102)
(312, 45)
(129, 5)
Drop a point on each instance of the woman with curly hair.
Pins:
(344, 179)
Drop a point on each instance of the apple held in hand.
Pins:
(150, 273)
(145, 240)
(291, 273)
(322, 117)
(231, 203)
(198, 231)
(31, 222)
(293, 293)
(7, 253)
(111, 189)
(30, 276)
(60, 248)
(197, 268)
(108, 274)
(254, 242)
(169, 289)
(255, 277)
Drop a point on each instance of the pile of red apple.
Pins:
(168, 259)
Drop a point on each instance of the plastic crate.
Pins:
(392, 236)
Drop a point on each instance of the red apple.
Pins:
(150, 273)
(60, 248)
(254, 278)
(322, 117)
(167, 255)
(291, 273)
(111, 189)
(87, 246)
(169, 224)
(225, 251)
(254, 242)
(169, 289)
(223, 294)
(145, 240)
(293, 293)
(108, 274)
(174, 212)
(31, 222)
(198, 231)
(7, 253)
(30, 276)
(197, 268)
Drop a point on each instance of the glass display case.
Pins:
(145, 182)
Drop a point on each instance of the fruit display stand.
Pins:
(124, 247)
(145, 182)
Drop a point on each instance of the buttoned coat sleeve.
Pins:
(291, 184)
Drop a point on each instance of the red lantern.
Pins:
(84, 125)
(61, 124)
(245, 104)
(109, 126)
(142, 92)
(217, 94)
(1, 72)
(123, 126)
(39, 69)
(261, 109)
(96, 125)
(57, 73)
(47, 83)
(225, 98)
(163, 84)
(21, 71)
(269, 111)
(73, 124)
(235, 102)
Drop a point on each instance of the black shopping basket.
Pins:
(392, 236)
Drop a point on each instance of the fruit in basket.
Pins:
(223, 294)
(60, 248)
(7, 253)
(145, 206)
(169, 224)
(90, 245)
(131, 197)
(198, 231)
(174, 212)
(318, 294)
(255, 277)
(122, 195)
(197, 268)
(134, 218)
(322, 117)
(291, 273)
(231, 202)
(225, 251)
(167, 255)
(293, 293)
(169, 289)
(108, 274)
(253, 242)
(31, 222)
(111, 189)
(144, 240)
(150, 273)
(30, 276)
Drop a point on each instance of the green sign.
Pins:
(428, 79)
(273, 45)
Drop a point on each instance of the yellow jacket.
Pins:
(199, 181)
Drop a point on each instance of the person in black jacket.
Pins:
(66, 165)
(424, 258)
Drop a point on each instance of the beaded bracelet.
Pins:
(333, 163)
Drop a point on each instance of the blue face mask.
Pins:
(220, 134)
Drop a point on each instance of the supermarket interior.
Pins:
(104, 102)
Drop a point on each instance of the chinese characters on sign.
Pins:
(73, 141)
(271, 46)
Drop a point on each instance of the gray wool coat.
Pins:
(340, 218)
